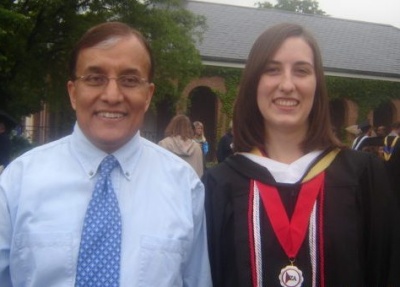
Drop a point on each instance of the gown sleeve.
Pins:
(382, 227)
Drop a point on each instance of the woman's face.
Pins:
(286, 89)
(198, 130)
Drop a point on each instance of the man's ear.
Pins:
(72, 93)
(150, 92)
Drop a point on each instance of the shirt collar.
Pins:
(90, 156)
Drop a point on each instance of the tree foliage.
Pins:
(368, 94)
(36, 37)
(298, 6)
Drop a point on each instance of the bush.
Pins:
(19, 145)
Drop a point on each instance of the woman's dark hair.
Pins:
(101, 33)
(180, 125)
(248, 122)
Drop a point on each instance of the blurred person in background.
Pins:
(179, 140)
(225, 145)
(5, 146)
(391, 155)
(199, 136)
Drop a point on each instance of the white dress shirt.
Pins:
(43, 199)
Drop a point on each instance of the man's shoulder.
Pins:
(51, 149)
(389, 139)
(159, 152)
(373, 141)
(163, 162)
(47, 155)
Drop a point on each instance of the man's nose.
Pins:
(112, 92)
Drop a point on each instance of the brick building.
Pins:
(351, 49)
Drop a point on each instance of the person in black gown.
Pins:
(225, 146)
(5, 146)
(293, 206)
(391, 147)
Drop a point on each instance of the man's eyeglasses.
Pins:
(101, 81)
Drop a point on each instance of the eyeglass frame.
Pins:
(107, 80)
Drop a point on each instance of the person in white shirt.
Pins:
(44, 194)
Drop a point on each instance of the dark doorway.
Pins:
(203, 108)
(383, 115)
(338, 113)
(165, 112)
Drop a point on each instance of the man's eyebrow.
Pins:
(130, 71)
(99, 70)
(94, 69)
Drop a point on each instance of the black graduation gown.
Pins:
(357, 226)
(372, 144)
(393, 168)
(224, 148)
(5, 149)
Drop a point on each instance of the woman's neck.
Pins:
(285, 147)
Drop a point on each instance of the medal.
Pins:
(291, 233)
(291, 276)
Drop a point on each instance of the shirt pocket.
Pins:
(43, 259)
(161, 261)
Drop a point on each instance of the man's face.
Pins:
(110, 114)
(2, 127)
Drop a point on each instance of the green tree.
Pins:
(299, 6)
(264, 5)
(36, 37)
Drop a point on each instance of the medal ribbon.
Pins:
(291, 233)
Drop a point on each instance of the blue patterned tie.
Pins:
(99, 253)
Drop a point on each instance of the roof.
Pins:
(349, 48)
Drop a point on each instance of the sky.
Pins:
(376, 11)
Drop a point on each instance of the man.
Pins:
(225, 145)
(52, 230)
(391, 153)
(7, 124)
(381, 131)
(365, 133)
(5, 146)
(395, 129)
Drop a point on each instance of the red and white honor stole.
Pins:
(308, 214)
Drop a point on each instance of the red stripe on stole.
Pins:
(321, 235)
(251, 235)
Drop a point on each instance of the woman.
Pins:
(199, 136)
(179, 140)
(293, 207)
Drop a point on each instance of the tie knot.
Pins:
(107, 165)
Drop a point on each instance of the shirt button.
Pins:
(91, 173)
(127, 174)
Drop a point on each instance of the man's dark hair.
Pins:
(103, 32)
